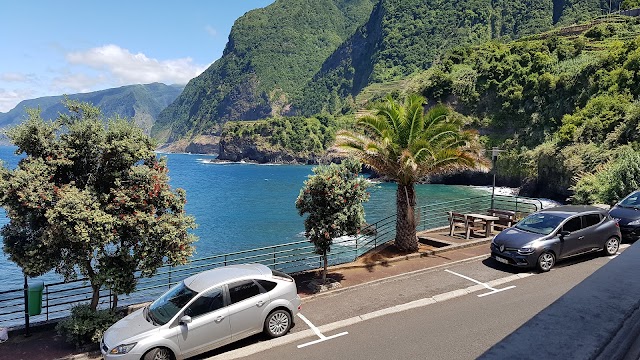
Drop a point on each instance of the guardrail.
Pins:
(290, 257)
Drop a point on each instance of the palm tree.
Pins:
(404, 144)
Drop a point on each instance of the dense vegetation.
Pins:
(271, 54)
(141, 103)
(560, 105)
(403, 37)
(294, 139)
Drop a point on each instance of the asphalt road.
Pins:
(448, 319)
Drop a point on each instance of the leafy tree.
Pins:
(405, 145)
(91, 200)
(333, 198)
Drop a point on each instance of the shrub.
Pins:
(86, 326)
(612, 182)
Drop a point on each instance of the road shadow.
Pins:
(579, 259)
(305, 278)
(494, 264)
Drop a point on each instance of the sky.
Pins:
(65, 47)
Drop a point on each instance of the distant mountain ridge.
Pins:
(141, 103)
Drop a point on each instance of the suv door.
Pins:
(246, 308)
(210, 326)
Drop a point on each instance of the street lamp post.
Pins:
(494, 157)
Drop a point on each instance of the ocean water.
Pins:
(240, 206)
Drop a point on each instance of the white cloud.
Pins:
(13, 77)
(70, 83)
(10, 98)
(130, 68)
(211, 31)
(17, 77)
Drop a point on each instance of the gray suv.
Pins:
(204, 312)
(544, 237)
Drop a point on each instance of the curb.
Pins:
(416, 255)
(401, 258)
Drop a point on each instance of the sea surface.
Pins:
(240, 206)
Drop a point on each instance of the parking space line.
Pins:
(493, 290)
(317, 332)
(622, 246)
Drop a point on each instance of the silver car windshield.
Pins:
(167, 306)
(540, 223)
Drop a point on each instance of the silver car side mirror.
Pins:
(185, 320)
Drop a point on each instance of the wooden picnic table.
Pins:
(487, 219)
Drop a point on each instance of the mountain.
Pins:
(272, 53)
(403, 37)
(141, 103)
(303, 57)
(561, 105)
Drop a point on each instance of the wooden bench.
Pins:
(506, 218)
(468, 223)
(457, 220)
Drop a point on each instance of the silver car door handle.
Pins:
(260, 303)
(581, 237)
(219, 318)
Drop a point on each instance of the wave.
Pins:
(507, 191)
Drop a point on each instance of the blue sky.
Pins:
(65, 47)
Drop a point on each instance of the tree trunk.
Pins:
(406, 239)
(114, 304)
(324, 271)
(95, 297)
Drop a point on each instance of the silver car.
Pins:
(204, 312)
(542, 238)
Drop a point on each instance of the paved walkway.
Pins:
(46, 344)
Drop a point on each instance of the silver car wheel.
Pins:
(278, 323)
(546, 261)
(158, 354)
(611, 246)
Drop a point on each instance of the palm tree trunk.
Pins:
(406, 239)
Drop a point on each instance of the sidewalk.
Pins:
(44, 343)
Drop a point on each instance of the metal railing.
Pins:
(290, 257)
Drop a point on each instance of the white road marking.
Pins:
(493, 290)
(317, 332)
(298, 336)
(622, 246)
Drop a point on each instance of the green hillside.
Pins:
(562, 103)
(271, 54)
(403, 37)
(141, 103)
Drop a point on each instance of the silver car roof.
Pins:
(204, 280)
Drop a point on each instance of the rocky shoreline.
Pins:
(249, 152)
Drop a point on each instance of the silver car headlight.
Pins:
(526, 251)
(635, 222)
(122, 349)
